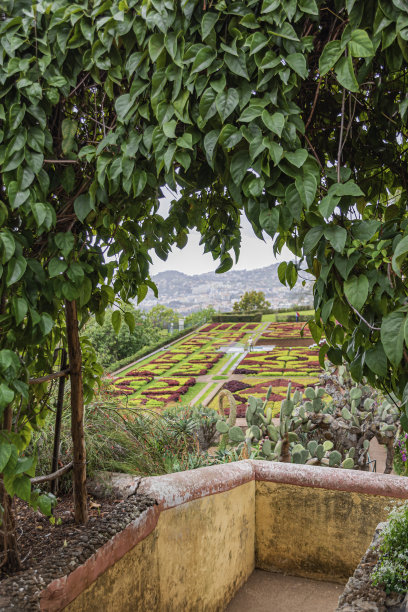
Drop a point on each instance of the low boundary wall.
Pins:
(212, 526)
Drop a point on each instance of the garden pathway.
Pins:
(226, 370)
(268, 592)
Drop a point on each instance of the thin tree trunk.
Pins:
(77, 413)
(389, 463)
(58, 419)
(11, 558)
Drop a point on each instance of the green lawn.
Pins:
(191, 393)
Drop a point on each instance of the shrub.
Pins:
(233, 317)
(401, 455)
(391, 571)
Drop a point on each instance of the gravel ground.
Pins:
(49, 552)
(360, 595)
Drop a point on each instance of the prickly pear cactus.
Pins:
(314, 431)
(222, 426)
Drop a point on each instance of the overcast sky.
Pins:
(192, 260)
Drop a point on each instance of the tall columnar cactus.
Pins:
(314, 432)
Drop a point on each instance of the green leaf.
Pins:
(312, 238)
(330, 55)
(346, 189)
(68, 131)
(185, 141)
(83, 206)
(210, 142)
(17, 197)
(142, 292)
(6, 396)
(306, 186)
(229, 136)
(169, 128)
(275, 123)
(237, 65)
(130, 321)
(240, 163)
(337, 237)
(291, 275)
(226, 102)
(116, 320)
(250, 113)
(123, 105)
(225, 265)
(8, 246)
(360, 44)
(15, 270)
(275, 150)
(45, 504)
(40, 212)
(376, 360)
(345, 74)
(297, 62)
(204, 58)
(207, 24)
(258, 42)
(156, 46)
(269, 220)
(392, 336)
(286, 31)
(5, 452)
(328, 204)
(365, 230)
(293, 201)
(139, 181)
(22, 487)
(19, 307)
(356, 290)
(297, 158)
(400, 254)
(282, 272)
(65, 241)
(56, 267)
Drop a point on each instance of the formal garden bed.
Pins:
(281, 361)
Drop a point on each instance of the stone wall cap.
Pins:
(339, 479)
(172, 490)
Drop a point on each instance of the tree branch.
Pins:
(53, 376)
(54, 475)
(340, 148)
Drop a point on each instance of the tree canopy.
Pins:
(291, 112)
(113, 345)
(250, 301)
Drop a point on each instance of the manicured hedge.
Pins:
(237, 317)
(149, 349)
(290, 318)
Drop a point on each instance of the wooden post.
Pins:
(77, 413)
(58, 419)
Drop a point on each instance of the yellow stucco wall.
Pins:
(128, 585)
(312, 532)
(199, 555)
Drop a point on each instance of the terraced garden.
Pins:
(217, 356)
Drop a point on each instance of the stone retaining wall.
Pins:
(213, 525)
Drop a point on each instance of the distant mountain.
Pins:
(187, 293)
